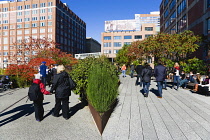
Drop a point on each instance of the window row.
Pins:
(19, 39)
(116, 44)
(6, 9)
(129, 37)
(33, 12)
(41, 24)
(110, 51)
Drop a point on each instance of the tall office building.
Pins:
(120, 32)
(52, 19)
(179, 15)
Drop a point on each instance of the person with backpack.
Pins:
(61, 86)
(35, 94)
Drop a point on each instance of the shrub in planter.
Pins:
(102, 88)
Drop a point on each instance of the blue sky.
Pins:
(95, 12)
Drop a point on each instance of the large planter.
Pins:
(101, 119)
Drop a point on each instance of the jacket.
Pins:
(61, 85)
(146, 74)
(160, 73)
(139, 69)
(42, 88)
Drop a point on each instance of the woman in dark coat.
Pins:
(61, 86)
(146, 78)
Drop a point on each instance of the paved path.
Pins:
(178, 115)
(18, 121)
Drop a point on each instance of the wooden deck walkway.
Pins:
(179, 115)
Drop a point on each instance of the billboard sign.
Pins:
(120, 25)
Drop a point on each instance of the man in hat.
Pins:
(43, 72)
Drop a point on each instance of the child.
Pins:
(35, 93)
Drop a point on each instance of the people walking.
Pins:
(123, 68)
(177, 72)
(138, 70)
(146, 78)
(160, 74)
(43, 72)
(61, 86)
(132, 67)
(35, 93)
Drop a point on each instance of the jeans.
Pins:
(160, 87)
(164, 84)
(184, 81)
(139, 78)
(176, 80)
(146, 87)
(123, 73)
(132, 71)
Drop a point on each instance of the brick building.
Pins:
(52, 19)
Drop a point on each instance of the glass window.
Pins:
(127, 43)
(107, 44)
(5, 21)
(5, 9)
(26, 31)
(107, 37)
(117, 44)
(27, 19)
(34, 30)
(27, 6)
(165, 2)
(42, 17)
(5, 53)
(27, 12)
(128, 37)
(49, 10)
(34, 6)
(34, 18)
(148, 28)
(42, 4)
(49, 29)
(107, 51)
(19, 7)
(4, 15)
(166, 13)
(117, 37)
(42, 10)
(42, 24)
(19, 26)
(5, 27)
(50, 17)
(148, 35)
(19, 20)
(173, 17)
(172, 4)
(19, 32)
(27, 25)
(116, 51)
(34, 12)
(50, 3)
(19, 13)
(42, 30)
(50, 23)
(34, 24)
(138, 36)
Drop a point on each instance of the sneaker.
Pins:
(38, 120)
(159, 97)
(54, 115)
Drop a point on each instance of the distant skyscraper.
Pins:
(21, 19)
(120, 32)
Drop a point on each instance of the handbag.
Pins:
(72, 83)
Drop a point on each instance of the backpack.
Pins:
(72, 83)
(34, 92)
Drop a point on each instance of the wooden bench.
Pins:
(190, 85)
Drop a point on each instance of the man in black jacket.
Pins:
(138, 70)
(146, 78)
(160, 75)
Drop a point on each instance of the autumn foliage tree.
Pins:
(58, 56)
(176, 47)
